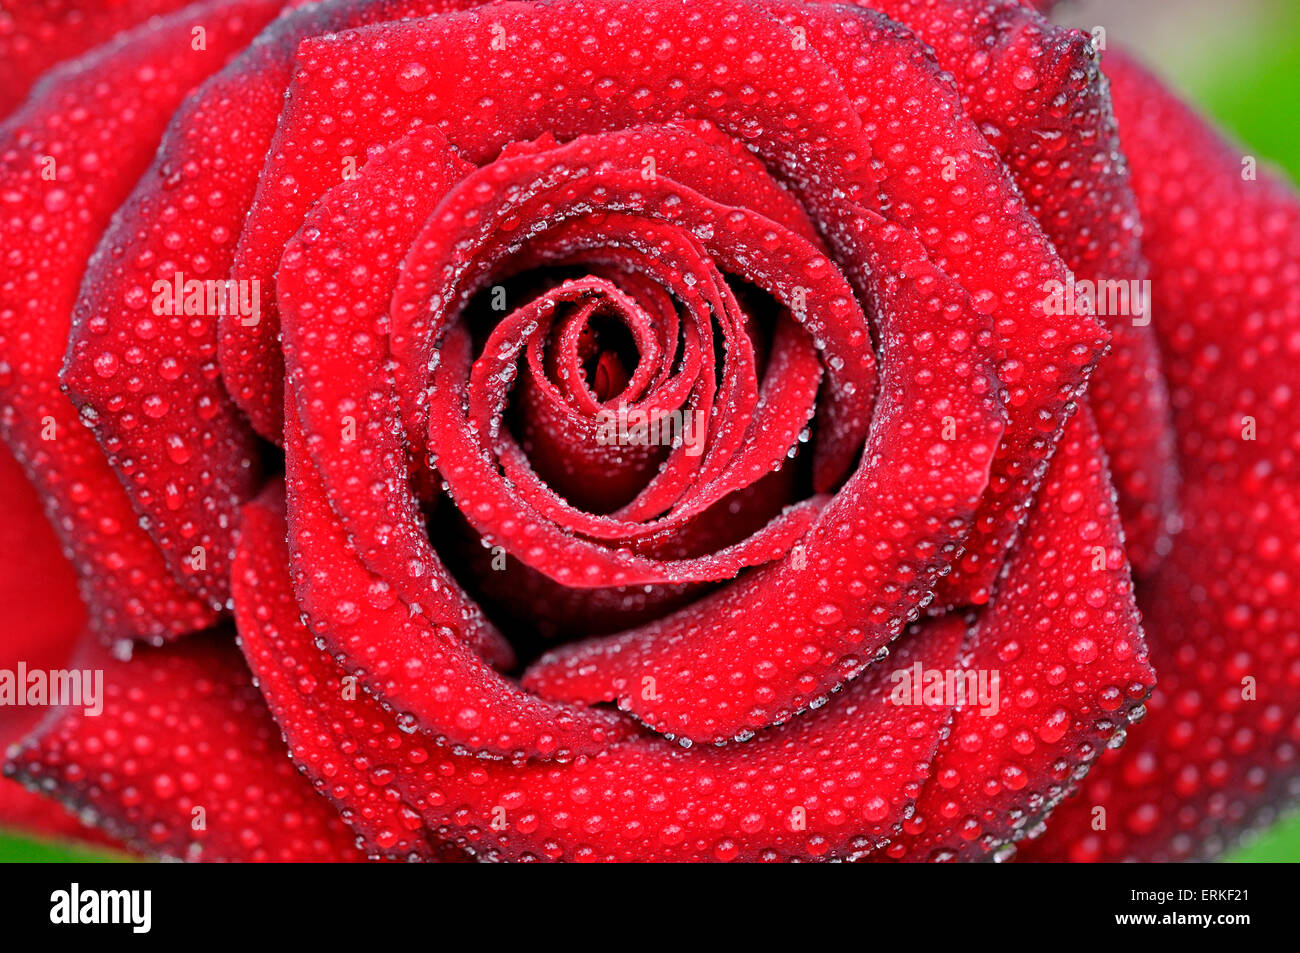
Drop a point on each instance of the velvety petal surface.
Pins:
(828, 785)
(69, 157)
(182, 762)
(1218, 752)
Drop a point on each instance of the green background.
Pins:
(1241, 63)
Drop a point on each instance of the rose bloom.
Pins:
(653, 430)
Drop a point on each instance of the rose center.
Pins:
(611, 357)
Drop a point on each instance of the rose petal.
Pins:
(251, 363)
(42, 612)
(530, 602)
(413, 655)
(1064, 642)
(939, 177)
(264, 600)
(449, 54)
(592, 174)
(43, 617)
(1220, 750)
(182, 762)
(36, 34)
(332, 387)
(95, 138)
(179, 443)
(829, 785)
(336, 279)
(1039, 96)
(30, 814)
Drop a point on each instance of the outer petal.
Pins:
(263, 603)
(150, 385)
(183, 762)
(67, 159)
(832, 784)
(25, 812)
(1221, 747)
(40, 619)
(40, 612)
(36, 34)
(1038, 94)
(1064, 644)
(939, 177)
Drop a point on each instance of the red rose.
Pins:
(659, 430)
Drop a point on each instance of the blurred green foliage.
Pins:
(1279, 845)
(15, 848)
(1250, 83)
